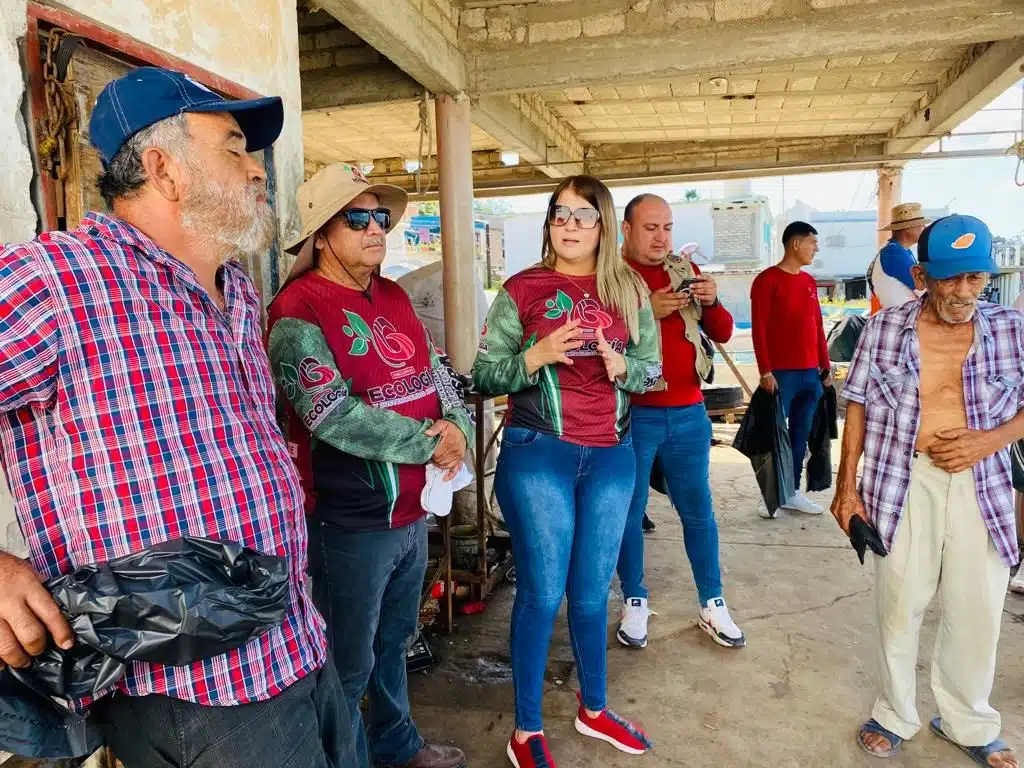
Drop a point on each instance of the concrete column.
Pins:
(890, 183)
(455, 188)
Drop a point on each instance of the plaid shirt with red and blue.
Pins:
(134, 410)
(885, 376)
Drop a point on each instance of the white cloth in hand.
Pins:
(437, 494)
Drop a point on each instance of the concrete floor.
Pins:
(794, 696)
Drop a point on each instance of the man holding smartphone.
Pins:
(670, 423)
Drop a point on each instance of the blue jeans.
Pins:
(565, 508)
(367, 585)
(305, 726)
(681, 440)
(801, 390)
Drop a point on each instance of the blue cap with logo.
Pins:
(148, 95)
(956, 245)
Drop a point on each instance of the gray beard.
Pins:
(950, 320)
(232, 222)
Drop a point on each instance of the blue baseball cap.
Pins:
(148, 95)
(955, 245)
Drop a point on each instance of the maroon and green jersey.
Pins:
(363, 382)
(574, 402)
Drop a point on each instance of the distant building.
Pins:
(735, 234)
(848, 240)
(1009, 284)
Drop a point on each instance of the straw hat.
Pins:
(322, 197)
(904, 216)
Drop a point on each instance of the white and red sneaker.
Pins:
(617, 731)
(533, 753)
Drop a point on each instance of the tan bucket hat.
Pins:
(904, 216)
(322, 197)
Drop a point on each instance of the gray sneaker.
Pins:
(633, 623)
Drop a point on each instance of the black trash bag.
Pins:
(842, 339)
(1017, 465)
(658, 481)
(32, 725)
(863, 537)
(763, 437)
(709, 350)
(824, 430)
(174, 604)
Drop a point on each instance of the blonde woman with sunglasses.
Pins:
(569, 340)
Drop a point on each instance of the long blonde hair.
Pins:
(618, 286)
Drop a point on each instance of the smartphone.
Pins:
(686, 283)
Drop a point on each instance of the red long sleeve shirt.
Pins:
(788, 331)
(678, 355)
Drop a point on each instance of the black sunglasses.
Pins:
(586, 218)
(359, 218)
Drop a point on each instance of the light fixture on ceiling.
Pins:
(718, 84)
(509, 157)
(411, 166)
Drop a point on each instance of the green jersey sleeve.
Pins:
(303, 366)
(643, 358)
(449, 390)
(500, 365)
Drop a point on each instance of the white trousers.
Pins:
(941, 545)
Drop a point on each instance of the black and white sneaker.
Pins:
(648, 524)
(714, 619)
(633, 623)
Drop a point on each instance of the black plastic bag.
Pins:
(863, 536)
(709, 350)
(1017, 465)
(658, 481)
(843, 338)
(173, 604)
(824, 430)
(763, 437)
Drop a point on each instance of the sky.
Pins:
(982, 187)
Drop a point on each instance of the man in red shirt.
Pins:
(670, 423)
(789, 343)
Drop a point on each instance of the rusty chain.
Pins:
(61, 112)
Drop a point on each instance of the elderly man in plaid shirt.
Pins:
(137, 406)
(935, 393)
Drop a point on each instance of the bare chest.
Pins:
(941, 381)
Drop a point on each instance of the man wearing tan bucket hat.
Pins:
(371, 401)
(889, 276)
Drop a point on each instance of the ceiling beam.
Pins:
(542, 138)
(401, 33)
(759, 155)
(904, 93)
(487, 170)
(847, 30)
(357, 86)
(984, 74)
(682, 162)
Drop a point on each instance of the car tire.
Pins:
(723, 398)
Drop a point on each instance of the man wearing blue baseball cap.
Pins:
(137, 407)
(936, 397)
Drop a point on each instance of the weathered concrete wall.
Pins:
(252, 42)
(17, 215)
(319, 32)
